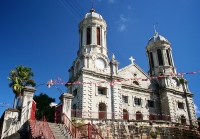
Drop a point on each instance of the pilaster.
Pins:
(66, 99)
(27, 98)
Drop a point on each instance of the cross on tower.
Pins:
(92, 4)
(154, 26)
(131, 59)
(92, 10)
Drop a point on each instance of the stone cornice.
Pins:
(92, 20)
(177, 92)
(131, 87)
(95, 74)
(29, 89)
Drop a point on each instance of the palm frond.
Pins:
(19, 78)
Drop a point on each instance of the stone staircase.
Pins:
(59, 131)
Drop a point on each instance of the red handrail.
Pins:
(41, 128)
(70, 126)
(48, 129)
(86, 130)
(95, 130)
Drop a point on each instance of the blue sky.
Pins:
(43, 35)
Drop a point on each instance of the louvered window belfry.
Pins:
(98, 36)
(88, 35)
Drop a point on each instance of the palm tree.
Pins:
(19, 78)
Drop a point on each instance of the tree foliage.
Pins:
(19, 78)
(43, 108)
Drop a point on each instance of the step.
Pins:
(56, 131)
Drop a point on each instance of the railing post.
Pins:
(55, 116)
(66, 99)
(43, 122)
(89, 130)
(75, 131)
(35, 126)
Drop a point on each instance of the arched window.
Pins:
(77, 66)
(88, 35)
(183, 120)
(168, 57)
(160, 60)
(102, 111)
(139, 116)
(74, 107)
(135, 82)
(125, 114)
(81, 38)
(74, 113)
(151, 60)
(98, 36)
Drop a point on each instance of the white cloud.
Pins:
(122, 27)
(123, 19)
(129, 7)
(122, 23)
(111, 1)
(196, 108)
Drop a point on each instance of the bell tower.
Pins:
(159, 54)
(92, 54)
(92, 70)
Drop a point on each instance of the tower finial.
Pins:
(92, 10)
(154, 25)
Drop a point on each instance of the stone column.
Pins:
(93, 35)
(66, 100)
(84, 33)
(27, 98)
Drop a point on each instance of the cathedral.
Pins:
(116, 103)
(103, 91)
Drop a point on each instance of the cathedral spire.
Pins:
(155, 32)
(92, 9)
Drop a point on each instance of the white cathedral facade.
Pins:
(102, 91)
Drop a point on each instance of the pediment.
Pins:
(135, 75)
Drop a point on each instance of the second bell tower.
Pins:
(160, 57)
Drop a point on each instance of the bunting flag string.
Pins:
(59, 80)
(3, 104)
(183, 73)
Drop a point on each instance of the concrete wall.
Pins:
(11, 122)
(15, 118)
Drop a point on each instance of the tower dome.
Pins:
(92, 13)
(159, 54)
(157, 37)
(92, 30)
